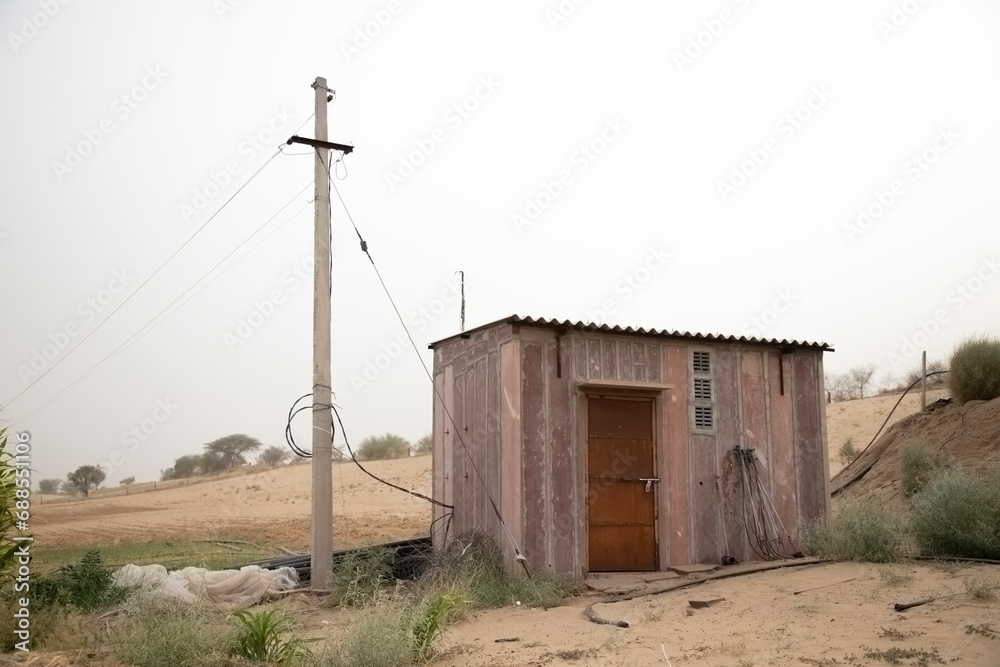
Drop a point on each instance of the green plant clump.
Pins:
(87, 586)
(359, 577)
(862, 530)
(975, 370)
(958, 514)
(920, 461)
(259, 637)
(848, 451)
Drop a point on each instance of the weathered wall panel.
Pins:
(533, 440)
(562, 542)
(784, 476)
(675, 463)
(510, 441)
(808, 442)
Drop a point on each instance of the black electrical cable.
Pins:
(888, 416)
(343, 433)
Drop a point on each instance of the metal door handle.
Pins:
(649, 482)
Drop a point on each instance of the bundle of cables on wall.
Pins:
(763, 525)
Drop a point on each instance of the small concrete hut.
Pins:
(608, 449)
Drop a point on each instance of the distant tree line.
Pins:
(223, 454)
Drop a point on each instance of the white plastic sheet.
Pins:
(232, 589)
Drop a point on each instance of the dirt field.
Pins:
(270, 508)
(848, 620)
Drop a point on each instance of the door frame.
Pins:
(617, 389)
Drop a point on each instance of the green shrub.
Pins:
(474, 566)
(164, 635)
(431, 621)
(359, 577)
(861, 530)
(260, 637)
(920, 461)
(958, 514)
(975, 370)
(388, 446)
(87, 586)
(848, 451)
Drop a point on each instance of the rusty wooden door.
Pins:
(621, 502)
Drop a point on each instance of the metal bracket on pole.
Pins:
(316, 143)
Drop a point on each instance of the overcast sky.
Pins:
(816, 171)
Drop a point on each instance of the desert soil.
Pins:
(760, 622)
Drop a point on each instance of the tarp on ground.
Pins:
(232, 589)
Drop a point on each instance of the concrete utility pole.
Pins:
(322, 442)
(321, 564)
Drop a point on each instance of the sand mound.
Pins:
(968, 434)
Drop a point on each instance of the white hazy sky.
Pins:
(818, 171)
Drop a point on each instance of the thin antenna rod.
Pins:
(462, 275)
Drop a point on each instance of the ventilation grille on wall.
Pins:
(702, 416)
(703, 389)
(701, 364)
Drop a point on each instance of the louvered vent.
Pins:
(703, 388)
(701, 364)
(702, 417)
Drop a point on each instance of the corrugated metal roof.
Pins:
(591, 326)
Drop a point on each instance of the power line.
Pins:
(157, 319)
(364, 248)
(143, 284)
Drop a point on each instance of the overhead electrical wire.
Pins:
(519, 556)
(144, 282)
(160, 317)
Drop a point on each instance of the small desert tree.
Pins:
(86, 478)
(49, 486)
(127, 481)
(274, 456)
(210, 463)
(860, 376)
(425, 444)
(388, 446)
(186, 466)
(231, 449)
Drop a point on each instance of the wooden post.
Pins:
(923, 382)
(322, 445)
